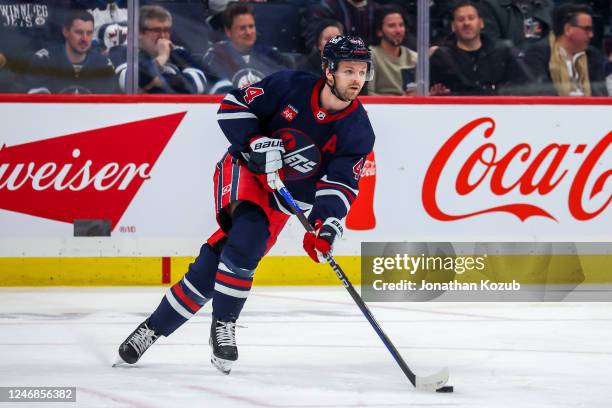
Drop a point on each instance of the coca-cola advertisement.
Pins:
(488, 172)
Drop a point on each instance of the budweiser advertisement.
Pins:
(439, 173)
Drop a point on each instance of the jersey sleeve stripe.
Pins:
(198, 78)
(226, 106)
(224, 83)
(350, 195)
(39, 90)
(121, 67)
(345, 201)
(235, 115)
(326, 180)
(232, 99)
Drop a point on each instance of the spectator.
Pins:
(239, 61)
(439, 21)
(602, 21)
(25, 27)
(72, 68)
(395, 64)
(327, 29)
(355, 15)
(520, 21)
(564, 64)
(162, 66)
(474, 64)
(6, 76)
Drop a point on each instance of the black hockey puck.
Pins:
(446, 388)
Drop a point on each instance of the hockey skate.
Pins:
(223, 343)
(136, 344)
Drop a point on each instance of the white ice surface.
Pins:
(306, 348)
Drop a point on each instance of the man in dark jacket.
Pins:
(474, 64)
(240, 61)
(564, 64)
(72, 68)
(522, 22)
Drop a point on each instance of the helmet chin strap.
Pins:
(332, 86)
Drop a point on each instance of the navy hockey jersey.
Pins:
(51, 72)
(324, 151)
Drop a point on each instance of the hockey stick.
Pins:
(429, 383)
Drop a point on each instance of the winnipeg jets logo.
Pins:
(321, 115)
(298, 162)
(245, 77)
(302, 157)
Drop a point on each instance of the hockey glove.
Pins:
(266, 160)
(321, 241)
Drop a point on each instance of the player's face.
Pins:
(580, 34)
(153, 30)
(467, 24)
(242, 34)
(393, 29)
(350, 77)
(79, 36)
(327, 34)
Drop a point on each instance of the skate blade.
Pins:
(225, 366)
(120, 362)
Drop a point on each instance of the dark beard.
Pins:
(391, 41)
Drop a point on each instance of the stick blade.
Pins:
(432, 382)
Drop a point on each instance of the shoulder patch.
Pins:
(289, 113)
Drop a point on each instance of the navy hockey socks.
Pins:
(187, 296)
(244, 248)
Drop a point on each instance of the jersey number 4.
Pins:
(357, 168)
(251, 93)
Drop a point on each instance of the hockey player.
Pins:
(313, 132)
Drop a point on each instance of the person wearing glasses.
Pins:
(564, 64)
(163, 67)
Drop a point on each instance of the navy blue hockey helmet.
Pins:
(347, 48)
